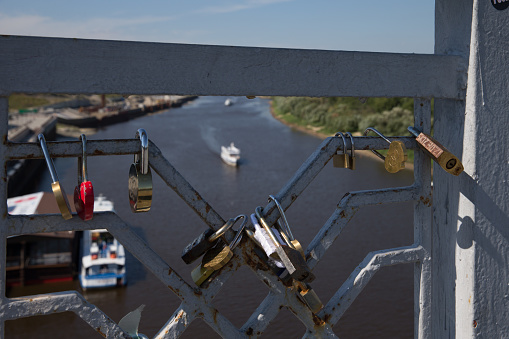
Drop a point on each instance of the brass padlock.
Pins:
(351, 161)
(396, 156)
(441, 155)
(58, 191)
(309, 296)
(140, 178)
(341, 160)
(218, 256)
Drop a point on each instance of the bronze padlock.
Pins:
(140, 178)
(441, 155)
(341, 160)
(396, 156)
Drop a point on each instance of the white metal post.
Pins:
(471, 215)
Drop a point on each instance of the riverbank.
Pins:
(315, 131)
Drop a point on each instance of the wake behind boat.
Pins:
(230, 154)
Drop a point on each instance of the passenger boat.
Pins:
(102, 256)
(230, 154)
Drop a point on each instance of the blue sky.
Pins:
(369, 25)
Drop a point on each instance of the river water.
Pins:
(190, 138)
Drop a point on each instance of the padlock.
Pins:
(341, 160)
(218, 256)
(309, 296)
(285, 228)
(396, 156)
(351, 161)
(441, 155)
(292, 259)
(204, 242)
(140, 178)
(58, 191)
(263, 238)
(84, 192)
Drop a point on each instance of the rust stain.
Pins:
(294, 197)
(249, 331)
(475, 324)
(180, 315)
(170, 271)
(425, 201)
(342, 214)
(327, 317)
(100, 332)
(215, 315)
(318, 321)
(99, 152)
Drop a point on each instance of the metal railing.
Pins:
(60, 59)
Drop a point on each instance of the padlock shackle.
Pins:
(344, 141)
(82, 165)
(238, 236)
(220, 232)
(381, 136)
(142, 134)
(352, 153)
(286, 227)
(49, 161)
(414, 131)
(258, 213)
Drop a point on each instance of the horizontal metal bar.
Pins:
(67, 149)
(61, 302)
(361, 276)
(79, 66)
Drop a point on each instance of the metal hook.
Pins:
(380, 135)
(142, 134)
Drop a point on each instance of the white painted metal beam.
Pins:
(57, 65)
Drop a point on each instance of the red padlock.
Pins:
(84, 192)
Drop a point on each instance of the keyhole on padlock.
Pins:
(451, 163)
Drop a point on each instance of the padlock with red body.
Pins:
(84, 192)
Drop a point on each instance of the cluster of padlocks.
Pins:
(140, 181)
(275, 244)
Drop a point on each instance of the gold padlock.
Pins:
(396, 156)
(58, 191)
(140, 178)
(309, 296)
(441, 155)
(341, 160)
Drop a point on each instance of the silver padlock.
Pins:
(140, 178)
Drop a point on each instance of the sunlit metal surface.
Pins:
(196, 302)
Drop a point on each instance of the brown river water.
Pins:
(190, 138)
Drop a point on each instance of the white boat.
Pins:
(230, 154)
(228, 102)
(102, 256)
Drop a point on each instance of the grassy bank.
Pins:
(326, 116)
